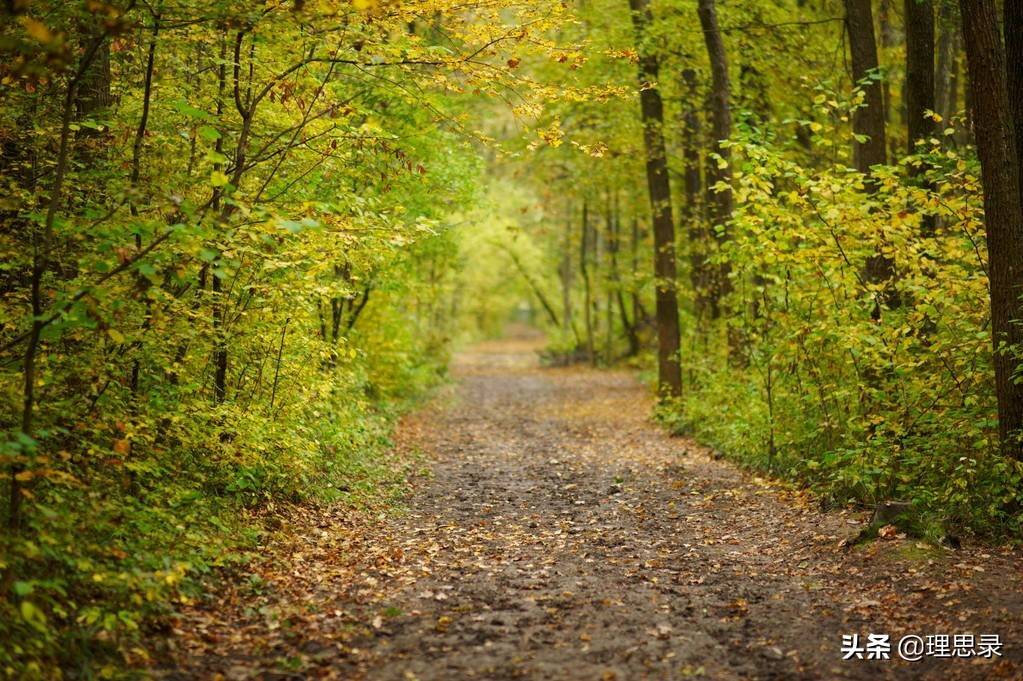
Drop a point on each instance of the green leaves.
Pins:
(183, 107)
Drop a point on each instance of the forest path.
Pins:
(562, 535)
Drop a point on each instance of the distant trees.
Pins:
(833, 232)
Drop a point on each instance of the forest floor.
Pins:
(557, 533)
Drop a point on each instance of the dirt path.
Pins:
(561, 535)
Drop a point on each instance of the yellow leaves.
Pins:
(626, 54)
(218, 178)
(595, 150)
(31, 614)
(37, 30)
(552, 135)
(365, 5)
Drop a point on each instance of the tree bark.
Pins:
(919, 18)
(568, 324)
(692, 213)
(720, 201)
(946, 77)
(613, 247)
(868, 124)
(869, 119)
(1013, 26)
(584, 256)
(886, 38)
(669, 369)
(1003, 209)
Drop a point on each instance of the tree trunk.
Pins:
(42, 245)
(692, 214)
(568, 324)
(584, 269)
(639, 313)
(887, 41)
(720, 201)
(869, 119)
(868, 122)
(93, 94)
(1003, 211)
(614, 245)
(919, 18)
(946, 78)
(1013, 25)
(669, 370)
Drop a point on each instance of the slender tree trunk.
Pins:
(720, 173)
(868, 120)
(639, 314)
(534, 287)
(567, 322)
(919, 18)
(886, 38)
(669, 369)
(219, 341)
(946, 77)
(584, 257)
(692, 213)
(1003, 210)
(93, 92)
(869, 123)
(614, 245)
(42, 243)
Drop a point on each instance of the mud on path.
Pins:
(561, 535)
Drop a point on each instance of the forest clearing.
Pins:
(494, 339)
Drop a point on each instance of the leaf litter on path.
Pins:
(560, 534)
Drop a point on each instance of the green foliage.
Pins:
(228, 261)
(867, 391)
(804, 367)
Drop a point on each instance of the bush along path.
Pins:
(556, 533)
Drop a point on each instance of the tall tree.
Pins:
(947, 73)
(868, 124)
(1003, 209)
(719, 181)
(584, 270)
(1013, 26)
(669, 370)
(919, 19)
(692, 213)
(868, 121)
(887, 40)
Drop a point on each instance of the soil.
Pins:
(555, 532)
